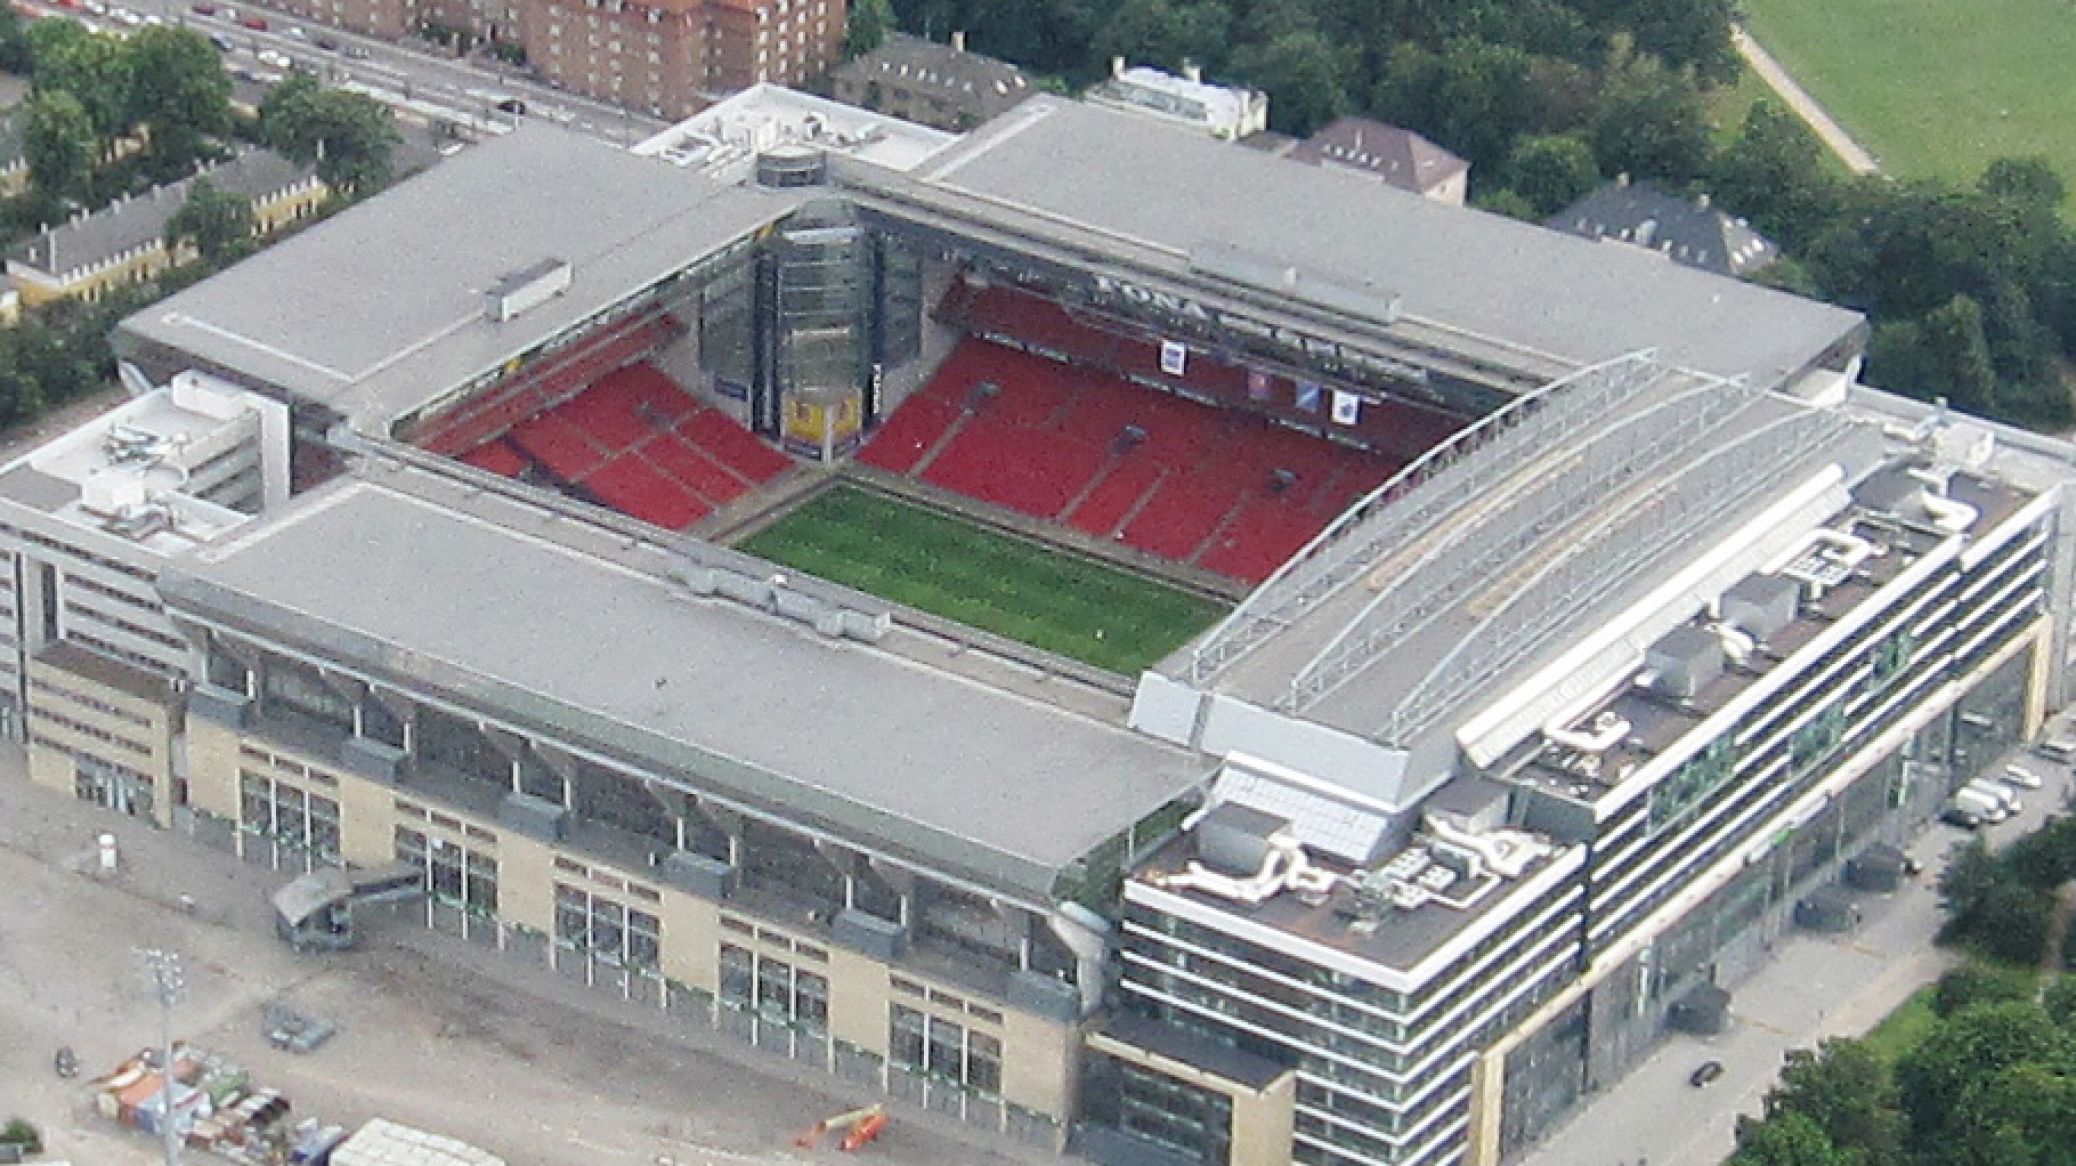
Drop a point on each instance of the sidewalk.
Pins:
(1833, 135)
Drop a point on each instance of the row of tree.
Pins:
(163, 94)
(2004, 904)
(1992, 1083)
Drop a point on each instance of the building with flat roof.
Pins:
(1624, 619)
(672, 57)
(1225, 112)
(937, 85)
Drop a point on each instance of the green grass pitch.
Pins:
(1936, 88)
(1025, 591)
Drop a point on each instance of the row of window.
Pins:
(777, 939)
(287, 764)
(126, 716)
(606, 878)
(774, 987)
(943, 999)
(607, 930)
(456, 874)
(289, 814)
(44, 715)
(944, 1048)
(447, 822)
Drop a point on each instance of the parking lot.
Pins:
(431, 1033)
(1815, 987)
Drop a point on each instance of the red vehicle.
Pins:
(255, 23)
(206, 9)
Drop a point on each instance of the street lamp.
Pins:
(168, 983)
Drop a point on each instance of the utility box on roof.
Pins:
(528, 288)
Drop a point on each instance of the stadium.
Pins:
(1447, 652)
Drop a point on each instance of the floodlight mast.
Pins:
(168, 984)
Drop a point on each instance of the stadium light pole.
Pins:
(169, 984)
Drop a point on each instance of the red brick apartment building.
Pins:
(662, 56)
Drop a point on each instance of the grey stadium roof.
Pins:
(890, 754)
(1142, 183)
(379, 313)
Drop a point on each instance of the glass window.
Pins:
(905, 1037)
(983, 1062)
(738, 971)
(811, 1000)
(774, 987)
(644, 939)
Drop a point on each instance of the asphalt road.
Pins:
(410, 76)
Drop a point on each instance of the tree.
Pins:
(1788, 1140)
(1551, 172)
(1301, 73)
(868, 24)
(2060, 1002)
(348, 136)
(1651, 123)
(15, 56)
(1942, 354)
(93, 68)
(1978, 983)
(59, 145)
(1166, 34)
(1843, 1089)
(218, 223)
(1773, 175)
(2030, 182)
(179, 91)
(1509, 203)
(1934, 1079)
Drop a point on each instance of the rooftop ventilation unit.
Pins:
(527, 288)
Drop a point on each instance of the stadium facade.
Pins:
(1526, 754)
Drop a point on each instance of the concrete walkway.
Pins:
(1833, 135)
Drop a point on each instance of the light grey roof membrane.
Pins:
(380, 311)
(888, 753)
(1138, 179)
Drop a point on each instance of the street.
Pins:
(411, 76)
(1816, 986)
(433, 1033)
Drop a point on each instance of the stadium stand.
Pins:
(1024, 320)
(1225, 489)
(545, 384)
(634, 441)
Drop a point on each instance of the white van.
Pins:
(1998, 790)
(2061, 746)
(1985, 806)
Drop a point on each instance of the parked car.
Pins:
(2021, 777)
(1961, 818)
(511, 105)
(2004, 795)
(356, 53)
(1705, 1073)
(1982, 805)
(223, 43)
(205, 9)
(255, 23)
(327, 44)
(294, 31)
(275, 60)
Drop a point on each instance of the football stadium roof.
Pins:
(891, 754)
(1162, 195)
(381, 312)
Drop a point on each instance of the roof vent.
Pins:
(527, 288)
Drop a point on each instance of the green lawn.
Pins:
(1023, 590)
(1935, 87)
(1727, 105)
(1901, 1030)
